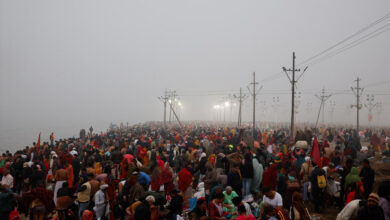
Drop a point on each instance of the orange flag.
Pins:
(38, 142)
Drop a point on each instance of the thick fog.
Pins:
(66, 65)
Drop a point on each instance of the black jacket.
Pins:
(235, 181)
(247, 169)
(368, 175)
(142, 212)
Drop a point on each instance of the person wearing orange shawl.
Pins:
(185, 180)
(98, 168)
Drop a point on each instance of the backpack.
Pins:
(321, 181)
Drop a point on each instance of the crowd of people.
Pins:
(197, 172)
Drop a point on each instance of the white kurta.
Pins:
(100, 206)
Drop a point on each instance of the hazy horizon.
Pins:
(67, 65)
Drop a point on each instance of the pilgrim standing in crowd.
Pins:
(195, 172)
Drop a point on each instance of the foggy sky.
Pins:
(66, 65)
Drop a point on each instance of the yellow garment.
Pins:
(85, 195)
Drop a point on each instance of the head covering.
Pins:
(352, 177)
(150, 198)
(73, 152)
(203, 154)
(104, 186)
(373, 197)
(307, 158)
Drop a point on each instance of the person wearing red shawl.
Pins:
(160, 162)
(270, 177)
(39, 200)
(69, 169)
(124, 166)
(155, 178)
(46, 162)
(185, 180)
(111, 192)
(166, 180)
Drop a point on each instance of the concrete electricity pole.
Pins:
(358, 92)
(323, 98)
(253, 93)
(240, 99)
(165, 99)
(172, 100)
(293, 81)
(370, 106)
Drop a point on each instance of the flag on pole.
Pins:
(315, 153)
(38, 142)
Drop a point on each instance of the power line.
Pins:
(347, 38)
(378, 83)
(352, 44)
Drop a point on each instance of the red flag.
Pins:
(38, 142)
(315, 152)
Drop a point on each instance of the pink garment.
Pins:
(8, 180)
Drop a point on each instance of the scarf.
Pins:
(352, 177)
(185, 179)
(219, 207)
(270, 177)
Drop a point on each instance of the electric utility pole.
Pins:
(240, 99)
(293, 81)
(323, 98)
(370, 106)
(165, 99)
(172, 100)
(358, 92)
(253, 93)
